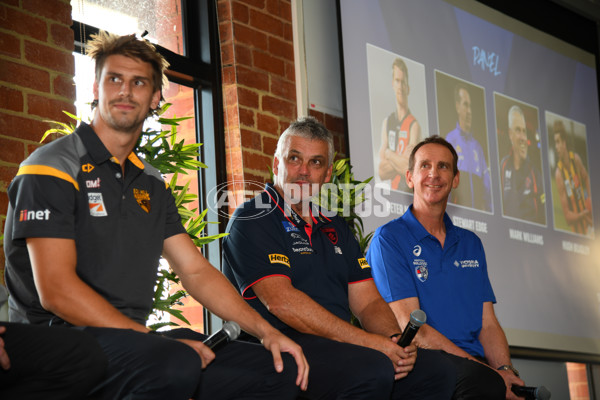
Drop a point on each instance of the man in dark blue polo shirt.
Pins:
(86, 225)
(303, 270)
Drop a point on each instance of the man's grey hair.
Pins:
(308, 128)
(514, 110)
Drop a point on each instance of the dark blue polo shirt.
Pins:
(73, 188)
(267, 238)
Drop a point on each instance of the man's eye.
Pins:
(140, 83)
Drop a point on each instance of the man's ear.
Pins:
(329, 172)
(456, 180)
(275, 166)
(155, 100)
(95, 89)
(409, 181)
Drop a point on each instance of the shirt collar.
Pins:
(420, 233)
(98, 152)
(292, 216)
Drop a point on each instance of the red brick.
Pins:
(224, 10)
(266, 23)
(285, 10)
(48, 108)
(225, 32)
(49, 57)
(288, 32)
(64, 86)
(334, 124)
(11, 99)
(52, 9)
(279, 107)
(281, 48)
(255, 161)
(251, 139)
(243, 55)
(258, 80)
(62, 36)
(249, 36)
(24, 24)
(247, 98)
(273, 7)
(227, 52)
(25, 76)
(263, 178)
(290, 72)
(254, 3)
(13, 151)
(268, 63)
(268, 124)
(240, 13)
(10, 45)
(269, 145)
(283, 88)
(246, 117)
(228, 75)
(23, 128)
(231, 94)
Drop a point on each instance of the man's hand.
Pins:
(276, 342)
(4, 360)
(509, 380)
(403, 358)
(205, 353)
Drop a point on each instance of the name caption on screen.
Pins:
(575, 248)
(470, 224)
(526, 237)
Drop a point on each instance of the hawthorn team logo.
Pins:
(331, 234)
(143, 199)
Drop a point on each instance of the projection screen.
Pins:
(544, 266)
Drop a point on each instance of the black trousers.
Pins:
(150, 367)
(346, 371)
(49, 363)
(476, 381)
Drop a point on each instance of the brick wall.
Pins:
(259, 87)
(36, 80)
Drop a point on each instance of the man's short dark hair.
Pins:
(436, 139)
(559, 128)
(105, 44)
(401, 65)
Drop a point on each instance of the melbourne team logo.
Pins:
(421, 270)
(331, 234)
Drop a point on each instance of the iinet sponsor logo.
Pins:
(29, 215)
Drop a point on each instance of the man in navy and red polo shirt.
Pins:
(303, 271)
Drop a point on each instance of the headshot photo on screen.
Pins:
(519, 152)
(462, 121)
(570, 179)
(398, 114)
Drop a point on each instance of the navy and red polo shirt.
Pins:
(73, 188)
(267, 238)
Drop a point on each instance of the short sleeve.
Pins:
(390, 267)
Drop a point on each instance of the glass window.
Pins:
(160, 18)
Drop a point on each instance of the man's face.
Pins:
(463, 109)
(518, 136)
(125, 93)
(561, 146)
(400, 85)
(432, 177)
(302, 169)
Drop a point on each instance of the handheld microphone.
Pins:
(230, 331)
(531, 392)
(417, 318)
